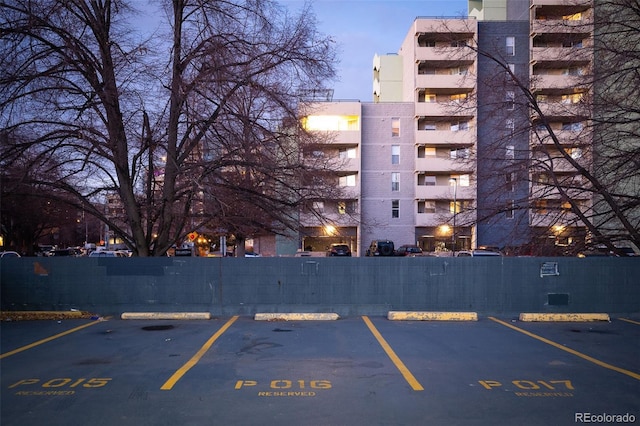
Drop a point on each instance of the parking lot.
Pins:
(361, 370)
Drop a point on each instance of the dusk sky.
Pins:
(363, 28)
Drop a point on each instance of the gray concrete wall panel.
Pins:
(348, 286)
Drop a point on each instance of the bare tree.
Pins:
(157, 125)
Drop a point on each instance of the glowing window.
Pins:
(331, 122)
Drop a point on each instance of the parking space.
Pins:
(355, 371)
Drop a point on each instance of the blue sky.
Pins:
(363, 28)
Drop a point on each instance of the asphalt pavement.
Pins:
(352, 371)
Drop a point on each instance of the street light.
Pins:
(455, 211)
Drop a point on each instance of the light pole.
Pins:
(455, 211)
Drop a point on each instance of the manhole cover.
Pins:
(157, 327)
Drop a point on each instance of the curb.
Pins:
(431, 316)
(166, 315)
(574, 317)
(296, 317)
(44, 315)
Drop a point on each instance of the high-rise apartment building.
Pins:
(474, 124)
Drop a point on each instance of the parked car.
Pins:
(339, 250)
(381, 248)
(8, 254)
(477, 253)
(108, 253)
(409, 250)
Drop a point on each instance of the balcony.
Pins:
(445, 109)
(562, 26)
(444, 164)
(444, 192)
(541, 82)
(461, 83)
(446, 137)
(460, 27)
(565, 137)
(558, 110)
(561, 55)
(445, 54)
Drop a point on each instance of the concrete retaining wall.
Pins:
(347, 286)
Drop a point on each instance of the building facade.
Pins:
(474, 126)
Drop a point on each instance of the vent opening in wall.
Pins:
(556, 299)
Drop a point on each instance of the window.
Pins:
(426, 206)
(347, 153)
(510, 152)
(460, 180)
(430, 125)
(395, 181)
(395, 154)
(395, 208)
(512, 68)
(510, 211)
(349, 180)
(455, 207)
(541, 206)
(462, 125)
(318, 206)
(426, 180)
(573, 98)
(574, 127)
(575, 153)
(511, 184)
(458, 98)
(459, 153)
(511, 46)
(395, 127)
(430, 97)
(459, 43)
(509, 98)
(510, 124)
(331, 122)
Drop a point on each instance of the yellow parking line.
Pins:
(48, 339)
(571, 351)
(415, 385)
(628, 320)
(168, 385)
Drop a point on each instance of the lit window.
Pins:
(331, 122)
(455, 207)
(395, 181)
(541, 206)
(395, 127)
(430, 97)
(458, 98)
(511, 46)
(395, 154)
(395, 208)
(342, 207)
